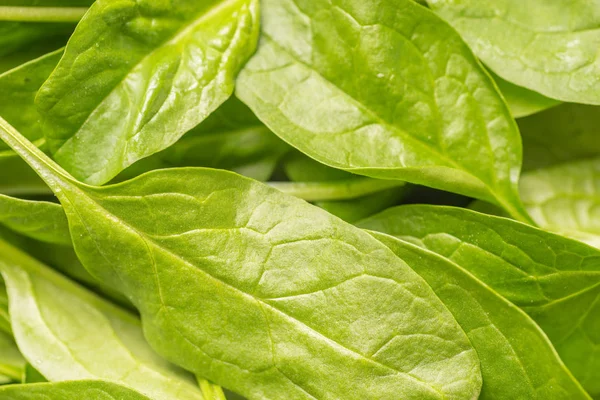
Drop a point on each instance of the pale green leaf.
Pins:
(12, 362)
(517, 360)
(550, 47)
(261, 292)
(78, 390)
(554, 279)
(68, 333)
(137, 75)
(523, 102)
(387, 89)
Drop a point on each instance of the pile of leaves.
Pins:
(299, 199)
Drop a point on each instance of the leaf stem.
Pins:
(335, 190)
(210, 391)
(42, 14)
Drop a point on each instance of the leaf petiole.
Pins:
(42, 14)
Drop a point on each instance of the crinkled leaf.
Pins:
(137, 75)
(554, 279)
(78, 390)
(68, 333)
(387, 89)
(517, 360)
(550, 47)
(261, 292)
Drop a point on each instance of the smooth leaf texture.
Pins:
(554, 279)
(68, 333)
(88, 390)
(19, 88)
(517, 360)
(39, 220)
(546, 46)
(263, 300)
(302, 169)
(137, 75)
(231, 138)
(523, 102)
(568, 132)
(383, 88)
(11, 361)
(4, 317)
(566, 199)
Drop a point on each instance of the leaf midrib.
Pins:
(260, 301)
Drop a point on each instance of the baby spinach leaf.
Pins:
(546, 46)
(554, 279)
(77, 390)
(32, 375)
(568, 132)
(4, 317)
(261, 292)
(566, 199)
(39, 220)
(517, 360)
(523, 102)
(137, 75)
(68, 333)
(19, 88)
(17, 178)
(335, 190)
(385, 89)
(231, 138)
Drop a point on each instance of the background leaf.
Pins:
(137, 75)
(329, 80)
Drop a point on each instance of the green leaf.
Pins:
(19, 88)
(566, 199)
(231, 138)
(261, 292)
(32, 375)
(517, 360)
(549, 47)
(568, 132)
(554, 279)
(4, 316)
(137, 75)
(384, 89)
(38, 220)
(523, 102)
(68, 333)
(78, 390)
(356, 206)
(12, 362)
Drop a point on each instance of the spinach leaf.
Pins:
(137, 75)
(554, 279)
(546, 46)
(351, 204)
(384, 89)
(566, 199)
(523, 102)
(4, 317)
(261, 292)
(231, 138)
(11, 361)
(17, 178)
(78, 390)
(517, 360)
(68, 333)
(19, 88)
(568, 132)
(39, 220)
(32, 375)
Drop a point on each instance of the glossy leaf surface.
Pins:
(137, 75)
(217, 272)
(383, 88)
(554, 279)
